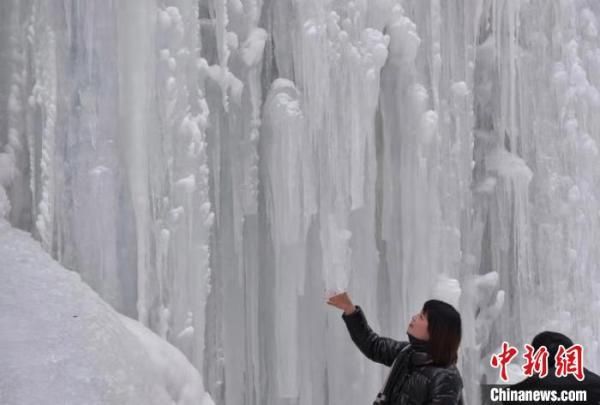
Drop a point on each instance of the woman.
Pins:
(423, 370)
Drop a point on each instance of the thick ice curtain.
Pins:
(215, 167)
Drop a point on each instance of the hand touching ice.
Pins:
(342, 301)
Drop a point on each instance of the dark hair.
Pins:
(552, 340)
(445, 330)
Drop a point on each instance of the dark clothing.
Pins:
(590, 383)
(414, 379)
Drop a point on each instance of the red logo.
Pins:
(568, 361)
(535, 361)
(503, 359)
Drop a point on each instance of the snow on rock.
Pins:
(62, 344)
(178, 377)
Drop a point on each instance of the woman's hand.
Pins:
(343, 302)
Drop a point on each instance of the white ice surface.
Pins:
(60, 343)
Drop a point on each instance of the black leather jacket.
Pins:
(416, 381)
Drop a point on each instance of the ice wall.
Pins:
(213, 168)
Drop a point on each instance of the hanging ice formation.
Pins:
(213, 167)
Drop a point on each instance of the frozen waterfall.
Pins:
(213, 168)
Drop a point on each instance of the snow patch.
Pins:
(62, 344)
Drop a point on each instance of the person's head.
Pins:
(552, 340)
(439, 324)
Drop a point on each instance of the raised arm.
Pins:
(379, 349)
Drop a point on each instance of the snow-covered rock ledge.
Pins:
(60, 343)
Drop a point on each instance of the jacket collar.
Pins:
(418, 345)
(420, 358)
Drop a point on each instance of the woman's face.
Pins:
(418, 326)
